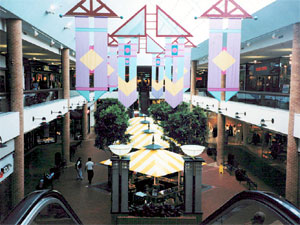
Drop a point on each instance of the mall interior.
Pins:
(41, 110)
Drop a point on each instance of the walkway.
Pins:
(93, 204)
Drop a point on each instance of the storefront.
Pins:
(269, 76)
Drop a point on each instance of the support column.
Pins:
(193, 82)
(15, 68)
(245, 133)
(119, 190)
(115, 185)
(221, 127)
(292, 164)
(124, 184)
(193, 186)
(85, 121)
(66, 95)
(188, 185)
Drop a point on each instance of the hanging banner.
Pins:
(112, 68)
(127, 57)
(234, 49)
(187, 68)
(174, 80)
(224, 47)
(91, 46)
(157, 79)
(83, 53)
(215, 48)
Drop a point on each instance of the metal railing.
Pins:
(269, 99)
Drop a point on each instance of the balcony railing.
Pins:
(269, 99)
(32, 97)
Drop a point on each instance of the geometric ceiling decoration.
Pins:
(91, 8)
(152, 46)
(134, 27)
(226, 9)
(166, 26)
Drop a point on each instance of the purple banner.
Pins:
(233, 48)
(113, 63)
(215, 48)
(187, 68)
(174, 101)
(82, 47)
(100, 47)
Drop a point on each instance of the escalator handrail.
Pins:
(23, 209)
(278, 203)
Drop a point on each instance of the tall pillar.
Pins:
(15, 68)
(193, 185)
(221, 128)
(115, 185)
(85, 121)
(66, 95)
(193, 82)
(119, 189)
(245, 133)
(292, 163)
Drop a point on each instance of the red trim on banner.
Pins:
(163, 49)
(187, 35)
(226, 13)
(114, 33)
(91, 12)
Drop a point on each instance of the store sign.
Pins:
(6, 167)
(262, 69)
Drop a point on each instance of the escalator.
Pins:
(255, 207)
(42, 207)
(248, 207)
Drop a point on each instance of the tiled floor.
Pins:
(93, 204)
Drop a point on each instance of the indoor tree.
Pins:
(111, 123)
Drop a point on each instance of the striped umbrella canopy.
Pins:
(156, 163)
(139, 139)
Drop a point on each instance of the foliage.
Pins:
(111, 122)
(160, 111)
(184, 126)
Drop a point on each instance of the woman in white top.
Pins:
(89, 168)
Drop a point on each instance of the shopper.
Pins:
(78, 167)
(89, 168)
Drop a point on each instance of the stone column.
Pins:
(66, 95)
(193, 82)
(15, 68)
(292, 164)
(221, 127)
(85, 121)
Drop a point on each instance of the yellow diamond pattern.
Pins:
(91, 59)
(110, 70)
(224, 60)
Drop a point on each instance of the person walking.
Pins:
(89, 168)
(78, 167)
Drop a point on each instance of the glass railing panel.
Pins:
(40, 96)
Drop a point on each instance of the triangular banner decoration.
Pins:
(87, 8)
(134, 27)
(226, 9)
(152, 46)
(166, 26)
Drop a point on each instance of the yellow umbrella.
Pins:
(139, 139)
(155, 163)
